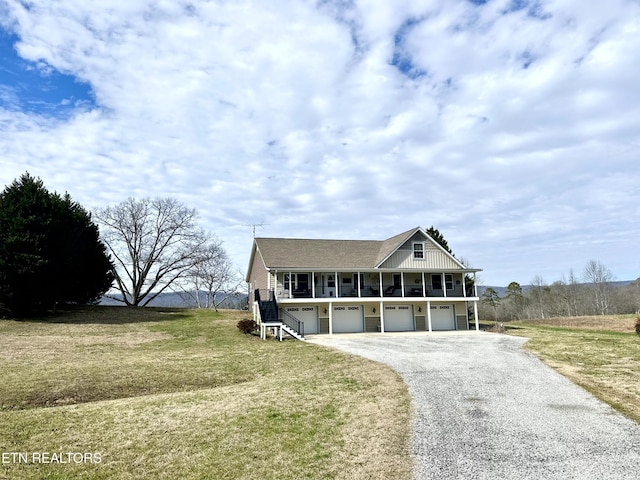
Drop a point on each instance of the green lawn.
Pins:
(602, 354)
(183, 394)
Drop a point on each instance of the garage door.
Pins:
(306, 315)
(348, 318)
(398, 318)
(442, 317)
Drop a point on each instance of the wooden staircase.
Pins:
(269, 318)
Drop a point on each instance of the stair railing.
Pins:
(293, 323)
(289, 320)
(268, 303)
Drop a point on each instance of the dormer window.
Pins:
(418, 250)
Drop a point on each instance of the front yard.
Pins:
(148, 393)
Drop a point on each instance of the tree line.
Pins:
(593, 292)
(54, 252)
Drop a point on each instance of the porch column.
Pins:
(380, 274)
(313, 284)
(424, 287)
(402, 283)
(464, 286)
(330, 318)
(475, 314)
(429, 314)
(337, 284)
(381, 317)
(475, 285)
(359, 285)
(444, 286)
(290, 284)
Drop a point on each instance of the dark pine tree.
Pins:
(439, 238)
(435, 234)
(50, 251)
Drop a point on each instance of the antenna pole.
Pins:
(254, 225)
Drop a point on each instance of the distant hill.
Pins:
(502, 291)
(177, 300)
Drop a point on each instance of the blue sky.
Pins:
(513, 126)
(35, 87)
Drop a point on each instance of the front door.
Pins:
(328, 285)
(302, 283)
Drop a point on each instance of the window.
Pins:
(448, 280)
(295, 281)
(418, 250)
(436, 282)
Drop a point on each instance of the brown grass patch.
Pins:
(43, 348)
(612, 323)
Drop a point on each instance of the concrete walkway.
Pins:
(484, 408)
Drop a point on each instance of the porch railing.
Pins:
(388, 290)
(369, 290)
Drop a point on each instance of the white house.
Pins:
(404, 283)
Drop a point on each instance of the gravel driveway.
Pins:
(483, 408)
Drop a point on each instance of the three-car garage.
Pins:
(356, 318)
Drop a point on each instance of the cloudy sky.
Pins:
(513, 126)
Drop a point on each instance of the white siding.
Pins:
(434, 259)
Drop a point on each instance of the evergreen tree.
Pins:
(435, 234)
(491, 297)
(439, 238)
(516, 299)
(50, 251)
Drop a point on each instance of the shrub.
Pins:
(497, 328)
(638, 325)
(247, 325)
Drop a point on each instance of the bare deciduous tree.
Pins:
(154, 242)
(539, 287)
(212, 275)
(599, 277)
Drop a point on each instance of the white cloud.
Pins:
(514, 131)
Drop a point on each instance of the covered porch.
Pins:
(377, 284)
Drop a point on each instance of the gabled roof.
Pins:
(390, 245)
(296, 253)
